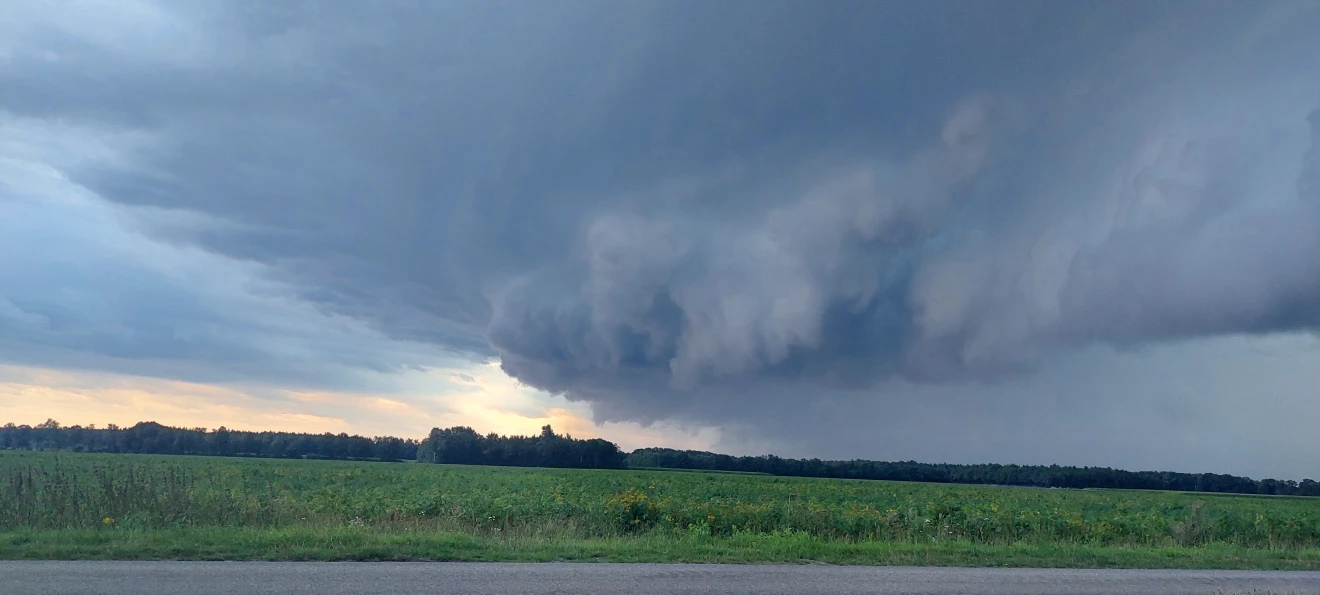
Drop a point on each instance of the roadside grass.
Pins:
(372, 544)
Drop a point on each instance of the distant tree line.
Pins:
(1052, 476)
(464, 446)
(153, 438)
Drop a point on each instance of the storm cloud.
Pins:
(744, 214)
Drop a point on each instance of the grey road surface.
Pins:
(197, 578)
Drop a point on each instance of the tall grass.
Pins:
(40, 492)
(67, 493)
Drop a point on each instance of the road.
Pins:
(313, 578)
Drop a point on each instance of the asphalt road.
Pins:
(197, 578)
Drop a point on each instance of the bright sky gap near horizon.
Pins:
(1026, 232)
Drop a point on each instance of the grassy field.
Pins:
(147, 507)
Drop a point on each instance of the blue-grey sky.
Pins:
(1037, 232)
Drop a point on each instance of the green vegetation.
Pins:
(1041, 476)
(152, 438)
(141, 507)
(464, 446)
(375, 544)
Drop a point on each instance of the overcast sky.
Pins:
(1031, 232)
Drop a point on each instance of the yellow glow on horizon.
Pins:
(489, 401)
(80, 401)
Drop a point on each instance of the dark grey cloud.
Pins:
(693, 210)
(81, 290)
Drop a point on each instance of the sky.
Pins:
(1028, 232)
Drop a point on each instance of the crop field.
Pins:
(136, 506)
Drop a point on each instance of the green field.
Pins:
(144, 507)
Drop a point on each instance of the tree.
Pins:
(1038, 476)
(149, 437)
(462, 445)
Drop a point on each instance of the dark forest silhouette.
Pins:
(153, 438)
(1051, 476)
(464, 446)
